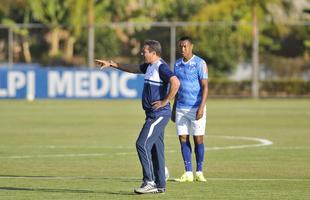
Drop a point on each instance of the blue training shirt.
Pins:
(190, 73)
(156, 86)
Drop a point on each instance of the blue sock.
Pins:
(187, 155)
(199, 152)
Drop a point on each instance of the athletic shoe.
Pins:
(200, 177)
(161, 190)
(146, 188)
(186, 177)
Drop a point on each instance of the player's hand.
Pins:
(159, 104)
(199, 114)
(104, 63)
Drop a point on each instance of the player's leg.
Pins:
(199, 151)
(186, 150)
(182, 125)
(198, 128)
(148, 136)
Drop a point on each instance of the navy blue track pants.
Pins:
(151, 150)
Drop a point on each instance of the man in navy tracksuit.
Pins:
(155, 100)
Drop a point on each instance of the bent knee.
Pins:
(183, 138)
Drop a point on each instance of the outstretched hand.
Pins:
(105, 63)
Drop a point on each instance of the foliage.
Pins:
(268, 88)
(285, 88)
(229, 88)
(51, 13)
(107, 44)
(21, 12)
(224, 40)
(237, 18)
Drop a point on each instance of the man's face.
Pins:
(186, 48)
(148, 56)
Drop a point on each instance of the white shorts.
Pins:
(186, 123)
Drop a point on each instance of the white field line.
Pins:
(290, 148)
(258, 179)
(56, 155)
(260, 142)
(138, 178)
(70, 147)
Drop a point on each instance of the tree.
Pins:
(52, 14)
(21, 15)
(74, 23)
(235, 34)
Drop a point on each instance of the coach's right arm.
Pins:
(174, 87)
(123, 67)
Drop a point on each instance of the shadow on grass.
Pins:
(66, 191)
(47, 190)
(121, 179)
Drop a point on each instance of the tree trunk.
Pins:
(54, 42)
(26, 51)
(69, 48)
(119, 31)
(11, 48)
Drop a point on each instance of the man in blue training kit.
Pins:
(189, 110)
(155, 100)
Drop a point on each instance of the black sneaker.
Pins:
(161, 190)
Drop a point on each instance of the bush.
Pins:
(279, 88)
(285, 88)
(228, 88)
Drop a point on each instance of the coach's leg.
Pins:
(145, 142)
(158, 153)
(144, 152)
(158, 157)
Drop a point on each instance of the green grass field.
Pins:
(86, 150)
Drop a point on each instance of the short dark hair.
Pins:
(154, 45)
(186, 38)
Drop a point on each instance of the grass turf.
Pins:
(68, 149)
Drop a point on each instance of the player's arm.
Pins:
(203, 76)
(204, 95)
(123, 67)
(174, 107)
(174, 87)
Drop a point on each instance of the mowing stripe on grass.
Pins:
(261, 142)
(138, 178)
